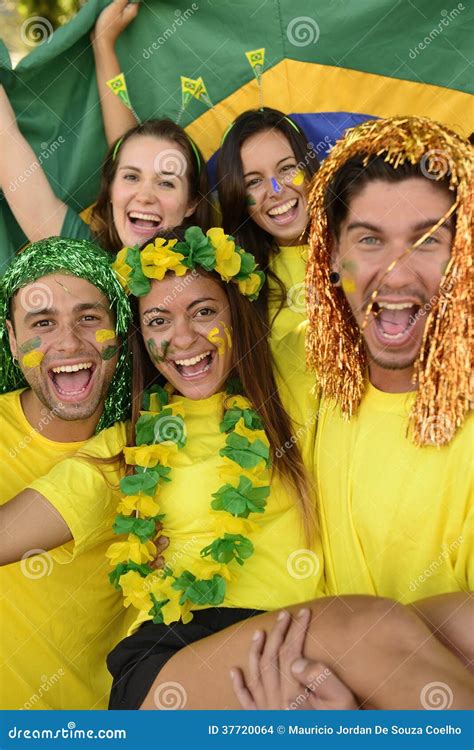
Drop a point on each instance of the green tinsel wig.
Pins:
(86, 261)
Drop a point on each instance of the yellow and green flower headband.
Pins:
(213, 251)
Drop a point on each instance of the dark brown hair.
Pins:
(254, 368)
(354, 175)
(102, 222)
(231, 183)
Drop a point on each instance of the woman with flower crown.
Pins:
(213, 460)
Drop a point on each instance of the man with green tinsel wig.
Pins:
(64, 377)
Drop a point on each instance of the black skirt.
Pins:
(136, 661)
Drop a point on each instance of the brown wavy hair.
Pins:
(253, 366)
(102, 221)
(231, 183)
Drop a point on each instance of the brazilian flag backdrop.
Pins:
(329, 63)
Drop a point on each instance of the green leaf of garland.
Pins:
(156, 612)
(242, 500)
(138, 283)
(229, 547)
(248, 455)
(247, 266)
(163, 396)
(143, 528)
(149, 431)
(200, 591)
(252, 419)
(144, 481)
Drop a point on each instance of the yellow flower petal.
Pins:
(132, 549)
(228, 260)
(143, 504)
(32, 359)
(104, 334)
(230, 472)
(238, 402)
(121, 268)
(135, 590)
(156, 260)
(205, 569)
(251, 435)
(251, 285)
(225, 523)
(149, 455)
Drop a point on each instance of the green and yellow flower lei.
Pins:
(168, 595)
(213, 251)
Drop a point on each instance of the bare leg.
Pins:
(378, 648)
(451, 618)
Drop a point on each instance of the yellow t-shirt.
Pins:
(397, 519)
(57, 621)
(282, 570)
(289, 264)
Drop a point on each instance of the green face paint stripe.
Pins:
(29, 345)
(349, 265)
(153, 349)
(250, 201)
(109, 352)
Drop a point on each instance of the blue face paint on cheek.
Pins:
(277, 188)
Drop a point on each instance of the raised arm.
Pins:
(110, 24)
(38, 211)
(30, 522)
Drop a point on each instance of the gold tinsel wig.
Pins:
(335, 347)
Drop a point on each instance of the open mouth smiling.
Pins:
(145, 222)
(394, 321)
(72, 381)
(284, 213)
(194, 367)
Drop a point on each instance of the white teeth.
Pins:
(146, 217)
(73, 368)
(282, 209)
(392, 336)
(396, 305)
(192, 361)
